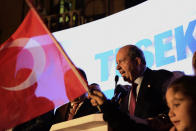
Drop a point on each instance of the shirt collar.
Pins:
(138, 81)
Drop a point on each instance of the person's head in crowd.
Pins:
(82, 97)
(131, 62)
(83, 74)
(181, 100)
(94, 86)
(194, 62)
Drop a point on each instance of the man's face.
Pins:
(129, 69)
(181, 110)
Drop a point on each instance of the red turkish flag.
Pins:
(35, 75)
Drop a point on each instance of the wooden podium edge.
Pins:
(89, 120)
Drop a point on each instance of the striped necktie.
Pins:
(72, 111)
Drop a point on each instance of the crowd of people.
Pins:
(156, 100)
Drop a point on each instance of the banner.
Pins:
(163, 29)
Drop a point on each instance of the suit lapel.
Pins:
(82, 109)
(66, 110)
(144, 89)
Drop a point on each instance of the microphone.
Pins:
(116, 80)
(119, 91)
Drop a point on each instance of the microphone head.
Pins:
(116, 78)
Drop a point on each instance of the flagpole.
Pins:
(59, 47)
(61, 50)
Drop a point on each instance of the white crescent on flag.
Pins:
(39, 59)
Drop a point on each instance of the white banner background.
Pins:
(86, 44)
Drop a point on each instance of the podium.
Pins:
(93, 122)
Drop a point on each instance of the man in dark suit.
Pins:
(84, 108)
(81, 106)
(150, 95)
(146, 95)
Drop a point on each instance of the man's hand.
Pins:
(97, 97)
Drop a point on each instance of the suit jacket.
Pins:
(62, 112)
(151, 96)
(119, 120)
